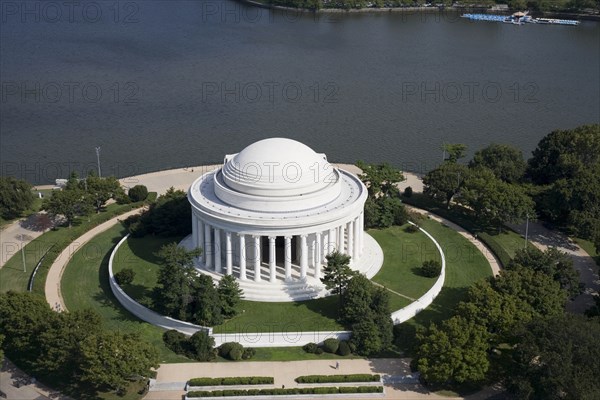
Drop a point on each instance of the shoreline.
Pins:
(417, 10)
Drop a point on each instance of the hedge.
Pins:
(239, 380)
(338, 378)
(498, 250)
(281, 392)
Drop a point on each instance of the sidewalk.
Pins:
(52, 288)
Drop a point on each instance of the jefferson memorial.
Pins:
(269, 216)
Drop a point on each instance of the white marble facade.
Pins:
(273, 211)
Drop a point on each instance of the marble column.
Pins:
(318, 256)
(242, 257)
(272, 259)
(332, 241)
(208, 246)
(355, 253)
(350, 234)
(194, 232)
(217, 250)
(256, 257)
(288, 258)
(200, 243)
(341, 244)
(303, 256)
(228, 254)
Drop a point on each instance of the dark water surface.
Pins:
(161, 84)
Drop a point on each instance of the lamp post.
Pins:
(98, 158)
(526, 230)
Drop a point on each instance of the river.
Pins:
(162, 84)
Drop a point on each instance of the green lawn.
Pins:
(589, 248)
(85, 285)
(12, 276)
(510, 241)
(404, 254)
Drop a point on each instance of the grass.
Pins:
(35, 207)
(85, 285)
(589, 248)
(12, 275)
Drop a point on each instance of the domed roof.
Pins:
(278, 167)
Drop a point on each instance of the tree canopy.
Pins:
(506, 162)
(15, 197)
(444, 182)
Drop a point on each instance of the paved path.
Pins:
(12, 236)
(543, 238)
(17, 385)
(52, 288)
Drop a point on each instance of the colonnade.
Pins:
(222, 248)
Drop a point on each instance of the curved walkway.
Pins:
(52, 288)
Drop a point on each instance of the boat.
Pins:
(519, 18)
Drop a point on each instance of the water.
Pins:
(164, 84)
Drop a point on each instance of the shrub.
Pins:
(331, 345)
(248, 353)
(138, 193)
(411, 229)
(319, 351)
(290, 391)
(175, 341)
(231, 350)
(344, 348)
(338, 378)
(310, 347)
(408, 192)
(431, 268)
(240, 380)
(125, 276)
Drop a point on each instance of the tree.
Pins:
(496, 201)
(100, 190)
(380, 179)
(138, 193)
(455, 151)
(366, 337)
(357, 304)
(454, 353)
(505, 161)
(109, 359)
(205, 307)
(15, 197)
(173, 292)
(445, 181)
(170, 215)
(564, 154)
(69, 203)
(553, 263)
(202, 346)
(380, 310)
(230, 295)
(337, 274)
(556, 358)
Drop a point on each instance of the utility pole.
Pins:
(98, 158)
(526, 230)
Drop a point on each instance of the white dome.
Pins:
(278, 167)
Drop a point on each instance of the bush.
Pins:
(310, 347)
(232, 351)
(240, 380)
(408, 192)
(138, 193)
(175, 341)
(431, 268)
(411, 229)
(343, 349)
(331, 345)
(125, 276)
(290, 391)
(338, 378)
(319, 351)
(248, 353)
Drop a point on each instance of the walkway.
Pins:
(52, 288)
(15, 234)
(17, 385)
(542, 238)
